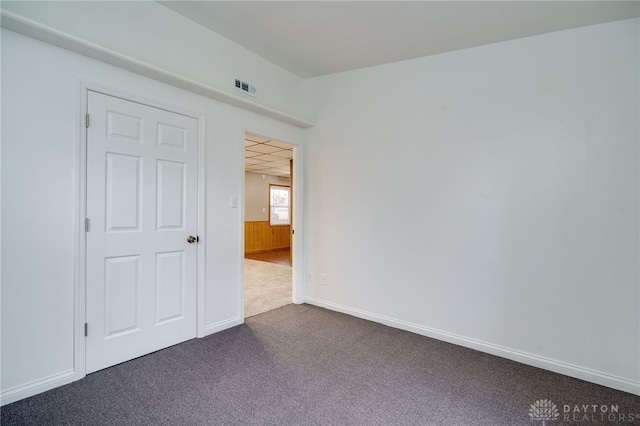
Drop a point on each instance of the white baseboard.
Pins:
(222, 325)
(571, 370)
(37, 386)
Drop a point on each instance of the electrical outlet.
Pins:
(309, 277)
(324, 279)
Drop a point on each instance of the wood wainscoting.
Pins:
(261, 237)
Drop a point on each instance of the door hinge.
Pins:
(293, 232)
(86, 329)
(86, 224)
(86, 120)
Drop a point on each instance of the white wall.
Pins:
(156, 35)
(489, 197)
(256, 195)
(515, 166)
(40, 126)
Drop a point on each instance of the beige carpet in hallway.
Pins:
(267, 286)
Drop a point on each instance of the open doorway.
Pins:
(268, 204)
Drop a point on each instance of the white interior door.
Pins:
(142, 207)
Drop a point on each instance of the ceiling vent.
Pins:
(247, 88)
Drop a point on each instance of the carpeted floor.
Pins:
(303, 365)
(267, 286)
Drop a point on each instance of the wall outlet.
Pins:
(324, 279)
(309, 277)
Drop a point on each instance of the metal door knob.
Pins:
(191, 239)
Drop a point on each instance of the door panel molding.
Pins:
(133, 180)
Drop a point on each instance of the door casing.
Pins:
(297, 223)
(80, 175)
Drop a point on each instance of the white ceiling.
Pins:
(312, 38)
(266, 156)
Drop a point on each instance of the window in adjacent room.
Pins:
(279, 205)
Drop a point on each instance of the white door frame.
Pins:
(80, 175)
(297, 288)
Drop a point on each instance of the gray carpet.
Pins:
(303, 365)
(266, 286)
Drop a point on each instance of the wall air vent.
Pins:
(247, 88)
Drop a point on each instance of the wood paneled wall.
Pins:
(260, 237)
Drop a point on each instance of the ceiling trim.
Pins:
(41, 32)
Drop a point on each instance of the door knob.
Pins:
(191, 239)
